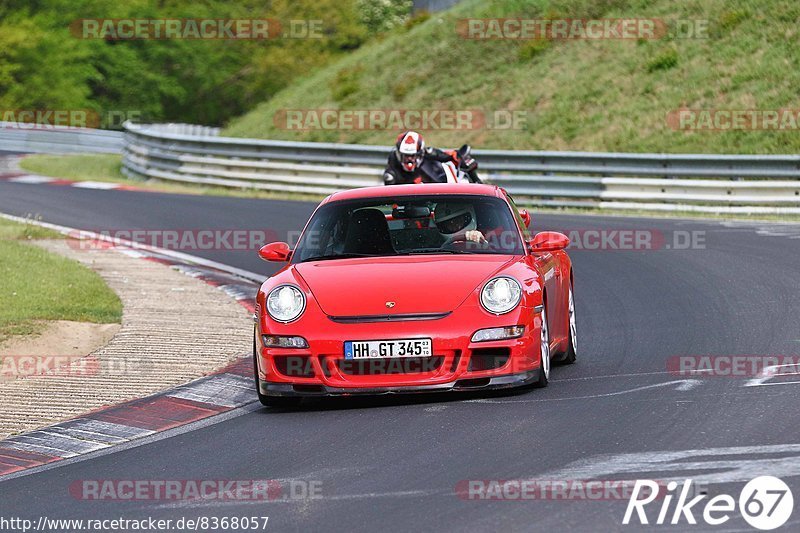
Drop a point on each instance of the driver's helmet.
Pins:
(409, 150)
(452, 218)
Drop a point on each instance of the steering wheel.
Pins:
(463, 244)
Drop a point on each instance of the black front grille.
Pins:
(456, 360)
(294, 366)
(488, 358)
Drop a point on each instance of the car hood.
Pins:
(358, 287)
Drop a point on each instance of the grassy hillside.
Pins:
(577, 95)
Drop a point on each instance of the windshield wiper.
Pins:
(337, 256)
(421, 251)
(433, 251)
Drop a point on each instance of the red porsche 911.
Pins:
(413, 289)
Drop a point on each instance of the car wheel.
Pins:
(270, 401)
(544, 352)
(572, 347)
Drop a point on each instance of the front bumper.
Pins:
(468, 384)
(458, 364)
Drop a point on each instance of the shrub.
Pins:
(383, 15)
(664, 60)
(346, 82)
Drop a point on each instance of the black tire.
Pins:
(544, 359)
(270, 401)
(570, 356)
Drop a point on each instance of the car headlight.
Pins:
(501, 295)
(284, 341)
(286, 303)
(498, 334)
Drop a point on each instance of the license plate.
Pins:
(388, 349)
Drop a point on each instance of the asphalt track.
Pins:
(394, 464)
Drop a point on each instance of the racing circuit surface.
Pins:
(394, 463)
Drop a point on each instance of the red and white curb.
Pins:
(35, 179)
(203, 398)
(223, 391)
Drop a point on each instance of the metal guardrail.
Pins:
(312, 168)
(17, 137)
(650, 182)
(666, 182)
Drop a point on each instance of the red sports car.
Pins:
(413, 289)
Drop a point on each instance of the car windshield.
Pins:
(440, 224)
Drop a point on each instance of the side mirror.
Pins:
(526, 217)
(549, 241)
(275, 251)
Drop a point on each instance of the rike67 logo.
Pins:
(765, 503)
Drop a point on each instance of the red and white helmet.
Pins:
(410, 149)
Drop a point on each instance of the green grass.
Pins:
(93, 167)
(39, 285)
(602, 95)
(13, 231)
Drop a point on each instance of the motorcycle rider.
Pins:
(411, 162)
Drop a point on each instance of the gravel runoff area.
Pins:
(174, 328)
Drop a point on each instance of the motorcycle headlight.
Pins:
(286, 303)
(501, 295)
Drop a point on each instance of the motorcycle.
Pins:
(432, 171)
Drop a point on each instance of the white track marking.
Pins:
(710, 465)
(96, 185)
(688, 384)
(680, 385)
(774, 371)
(31, 179)
(789, 230)
(608, 376)
(226, 390)
(200, 503)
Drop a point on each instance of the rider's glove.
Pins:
(469, 163)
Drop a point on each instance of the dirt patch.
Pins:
(61, 337)
(175, 328)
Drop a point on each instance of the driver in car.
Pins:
(457, 222)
